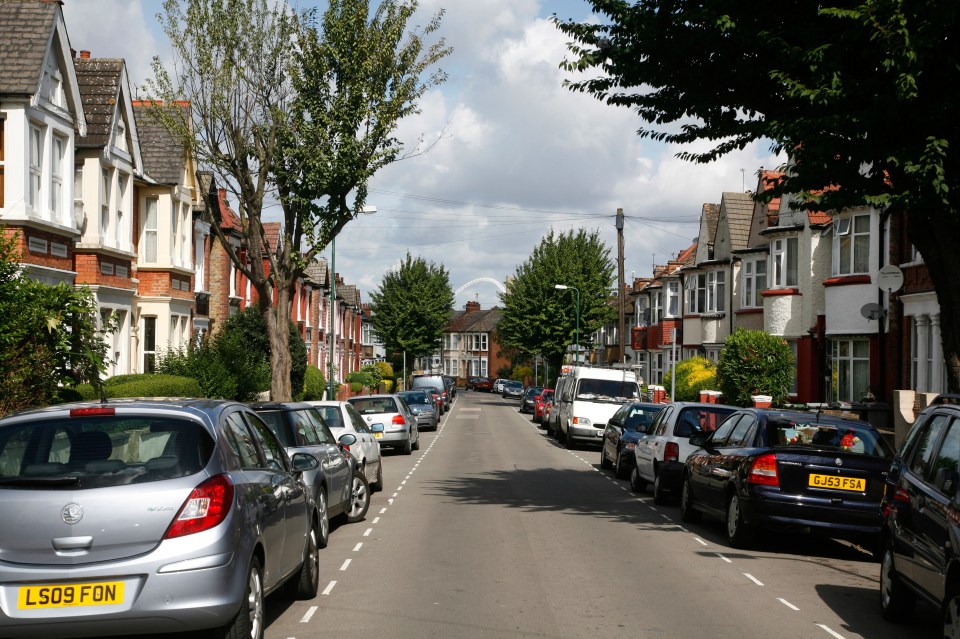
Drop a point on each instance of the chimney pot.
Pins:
(84, 54)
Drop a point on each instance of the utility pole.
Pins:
(621, 305)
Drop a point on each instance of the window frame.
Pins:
(750, 282)
(851, 245)
(785, 262)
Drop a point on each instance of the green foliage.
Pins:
(754, 363)
(314, 384)
(521, 372)
(386, 370)
(356, 387)
(204, 363)
(376, 375)
(388, 385)
(49, 338)
(538, 318)
(146, 385)
(362, 377)
(412, 306)
(823, 82)
(693, 375)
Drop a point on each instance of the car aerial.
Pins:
(659, 457)
(793, 469)
(343, 418)
(422, 405)
(921, 519)
(539, 404)
(400, 429)
(512, 390)
(498, 386)
(529, 398)
(338, 486)
(627, 426)
(146, 516)
(483, 384)
(433, 381)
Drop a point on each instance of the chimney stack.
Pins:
(472, 306)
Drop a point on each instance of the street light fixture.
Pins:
(563, 287)
(368, 210)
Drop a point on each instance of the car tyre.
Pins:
(323, 520)
(416, 444)
(306, 583)
(604, 462)
(567, 441)
(739, 533)
(359, 499)
(688, 514)
(248, 624)
(951, 613)
(377, 486)
(637, 483)
(619, 470)
(660, 495)
(896, 601)
(407, 447)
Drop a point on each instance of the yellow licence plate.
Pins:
(102, 593)
(838, 483)
(378, 435)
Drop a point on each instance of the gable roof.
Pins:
(709, 215)
(105, 90)
(316, 272)
(163, 155)
(475, 321)
(271, 231)
(738, 210)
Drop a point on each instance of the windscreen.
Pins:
(95, 452)
(612, 390)
(851, 437)
(374, 405)
(416, 398)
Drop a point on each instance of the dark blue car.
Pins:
(631, 422)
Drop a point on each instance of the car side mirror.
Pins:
(348, 439)
(946, 480)
(304, 461)
(699, 439)
(376, 428)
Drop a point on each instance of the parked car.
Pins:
(482, 384)
(540, 403)
(921, 519)
(588, 397)
(400, 429)
(627, 426)
(498, 385)
(146, 516)
(512, 390)
(437, 399)
(471, 383)
(338, 486)
(796, 469)
(552, 417)
(451, 385)
(529, 399)
(659, 457)
(422, 405)
(433, 381)
(343, 418)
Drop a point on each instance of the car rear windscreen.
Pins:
(94, 452)
(850, 437)
(374, 405)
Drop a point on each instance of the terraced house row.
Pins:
(99, 195)
(846, 289)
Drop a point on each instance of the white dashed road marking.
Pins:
(830, 632)
(309, 614)
(752, 578)
(326, 591)
(787, 604)
(345, 564)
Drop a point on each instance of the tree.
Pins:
(412, 306)
(49, 338)
(538, 318)
(754, 363)
(857, 92)
(279, 108)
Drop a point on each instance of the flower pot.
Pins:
(761, 401)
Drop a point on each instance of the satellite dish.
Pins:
(871, 311)
(890, 278)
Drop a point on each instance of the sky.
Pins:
(508, 152)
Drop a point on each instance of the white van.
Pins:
(589, 397)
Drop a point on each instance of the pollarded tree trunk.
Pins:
(277, 319)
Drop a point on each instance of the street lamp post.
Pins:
(333, 300)
(563, 287)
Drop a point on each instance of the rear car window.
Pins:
(416, 398)
(331, 415)
(700, 419)
(374, 405)
(101, 451)
(851, 437)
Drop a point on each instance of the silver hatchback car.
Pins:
(139, 516)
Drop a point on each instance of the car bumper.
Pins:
(771, 506)
(394, 439)
(671, 475)
(205, 592)
(586, 434)
(427, 421)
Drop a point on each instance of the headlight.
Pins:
(582, 421)
(630, 446)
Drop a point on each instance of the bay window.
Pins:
(754, 279)
(784, 258)
(716, 291)
(151, 231)
(851, 245)
(696, 290)
(673, 299)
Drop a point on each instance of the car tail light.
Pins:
(398, 420)
(763, 471)
(93, 412)
(204, 509)
(671, 452)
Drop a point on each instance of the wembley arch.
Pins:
(488, 280)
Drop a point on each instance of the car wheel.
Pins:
(604, 462)
(377, 486)
(660, 495)
(896, 602)
(407, 447)
(416, 444)
(567, 441)
(688, 513)
(739, 533)
(248, 624)
(359, 499)
(637, 483)
(323, 517)
(306, 583)
(951, 613)
(618, 468)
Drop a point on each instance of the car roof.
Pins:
(280, 405)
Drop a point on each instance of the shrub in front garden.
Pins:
(755, 363)
(693, 375)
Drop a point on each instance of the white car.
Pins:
(341, 418)
(499, 385)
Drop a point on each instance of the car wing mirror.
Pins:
(347, 439)
(376, 428)
(304, 461)
(699, 439)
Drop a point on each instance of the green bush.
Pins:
(693, 375)
(754, 363)
(388, 385)
(314, 384)
(147, 385)
(521, 373)
(356, 387)
(361, 377)
(204, 364)
(386, 370)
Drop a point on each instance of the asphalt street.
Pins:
(492, 530)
